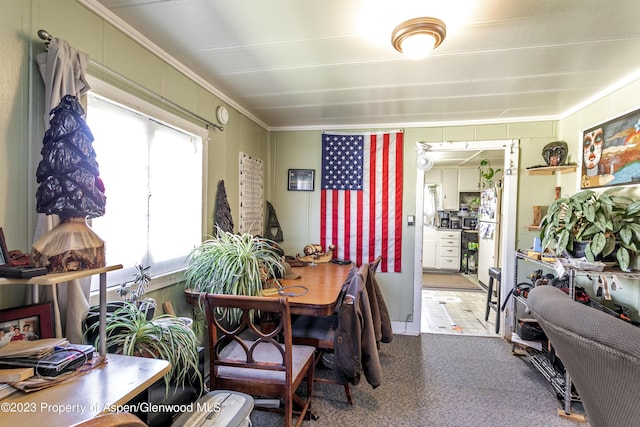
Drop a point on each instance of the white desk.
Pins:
(53, 279)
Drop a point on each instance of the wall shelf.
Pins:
(550, 170)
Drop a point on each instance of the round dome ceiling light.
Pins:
(417, 37)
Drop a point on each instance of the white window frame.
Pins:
(111, 93)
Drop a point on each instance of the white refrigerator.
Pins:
(489, 222)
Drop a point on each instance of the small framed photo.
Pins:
(301, 179)
(29, 323)
(4, 253)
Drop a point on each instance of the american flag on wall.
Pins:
(361, 197)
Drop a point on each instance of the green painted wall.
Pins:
(21, 111)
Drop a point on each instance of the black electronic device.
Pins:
(61, 360)
(341, 261)
(21, 271)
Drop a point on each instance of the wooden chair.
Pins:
(246, 359)
(319, 332)
(116, 419)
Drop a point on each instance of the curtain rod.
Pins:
(44, 35)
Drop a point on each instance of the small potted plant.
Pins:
(488, 175)
(133, 292)
(594, 226)
(233, 264)
(167, 337)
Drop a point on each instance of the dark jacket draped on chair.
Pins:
(363, 322)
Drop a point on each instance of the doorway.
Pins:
(462, 311)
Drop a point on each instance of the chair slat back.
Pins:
(222, 335)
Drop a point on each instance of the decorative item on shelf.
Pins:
(538, 213)
(603, 224)
(555, 153)
(70, 187)
(314, 253)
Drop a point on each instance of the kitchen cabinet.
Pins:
(448, 250)
(441, 249)
(433, 176)
(450, 189)
(468, 180)
(429, 249)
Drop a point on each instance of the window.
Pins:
(153, 176)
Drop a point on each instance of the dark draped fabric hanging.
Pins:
(63, 70)
(223, 218)
(273, 230)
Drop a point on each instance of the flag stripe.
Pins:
(373, 198)
(398, 189)
(361, 197)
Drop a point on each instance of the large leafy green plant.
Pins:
(607, 224)
(167, 337)
(233, 264)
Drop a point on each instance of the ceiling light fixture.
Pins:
(417, 37)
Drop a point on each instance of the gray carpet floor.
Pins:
(440, 380)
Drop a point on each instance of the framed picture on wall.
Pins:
(610, 152)
(301, 179)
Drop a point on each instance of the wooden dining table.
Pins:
(314, 293)
(317, 290)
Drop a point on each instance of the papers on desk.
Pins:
(36, 349)
(6, 390)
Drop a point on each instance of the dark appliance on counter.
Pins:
(444, 219)
(454, 222)
(469, 223)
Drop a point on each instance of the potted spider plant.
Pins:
(133, 292)
(167, 337)
(233, 264)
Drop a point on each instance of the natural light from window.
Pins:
(153, 182)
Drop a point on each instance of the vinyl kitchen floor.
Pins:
(456, 312)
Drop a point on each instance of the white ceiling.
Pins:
(304, 64)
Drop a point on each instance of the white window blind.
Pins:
(153, 178)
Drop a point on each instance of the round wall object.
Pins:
(424, 162)
(555, 153)
(222, 115)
